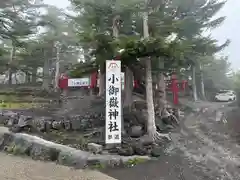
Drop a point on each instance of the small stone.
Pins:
(10, 122)
(146, 140)
(140, 150)
(57, 125)
(67, 125)
(43, 124)
(15, 129)
(48, 126)
(9, 114)
(156, 151)
(95, 148)
(85, 124)
(127, 151)
(76, 123)
(136, 131)
(3, 120)
(24, 120)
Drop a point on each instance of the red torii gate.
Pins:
(174, 87)
(63, 84)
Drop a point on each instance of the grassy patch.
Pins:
(14, 98)
(134, 162)
(21, 102)
(16, 105)
(97, 166)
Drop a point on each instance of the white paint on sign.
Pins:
(122, 80)
(113, 102)
(79, 82)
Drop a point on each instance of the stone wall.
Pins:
(45, 124)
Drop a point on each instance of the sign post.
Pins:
(113, 102)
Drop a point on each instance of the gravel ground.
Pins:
(17, 168)
(204, 150)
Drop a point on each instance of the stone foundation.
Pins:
(40, 149)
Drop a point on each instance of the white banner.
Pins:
(113, 102)
(79, 82)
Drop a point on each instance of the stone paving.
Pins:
(17, 168)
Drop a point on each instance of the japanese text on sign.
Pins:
(78, 82)
(113, 102)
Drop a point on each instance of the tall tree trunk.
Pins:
(199, 82)
(151, 126)
(194, 87)
(12, 56)
(34, 76)
(102, 75)
(15, 77)
(115, 26)
(27, 78)
(102, 81)
(57, 70)
(46, 73)
(161, 89)
(128, 98)
(202, 83)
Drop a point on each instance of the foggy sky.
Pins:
(228, 30)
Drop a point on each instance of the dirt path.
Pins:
(16, 168)
(203, 150)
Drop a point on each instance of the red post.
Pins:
(93, 80)
(175, 89)
(63, 82)
(136, 84)
(184, 85)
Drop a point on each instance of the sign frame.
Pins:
(71, 82)
(113, 119)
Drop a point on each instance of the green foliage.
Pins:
(236, 79)
(83, 69)
(18, 19)
(215, 73)
(95, 30)
(92, 30)
(134, 162)
(32, 51)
